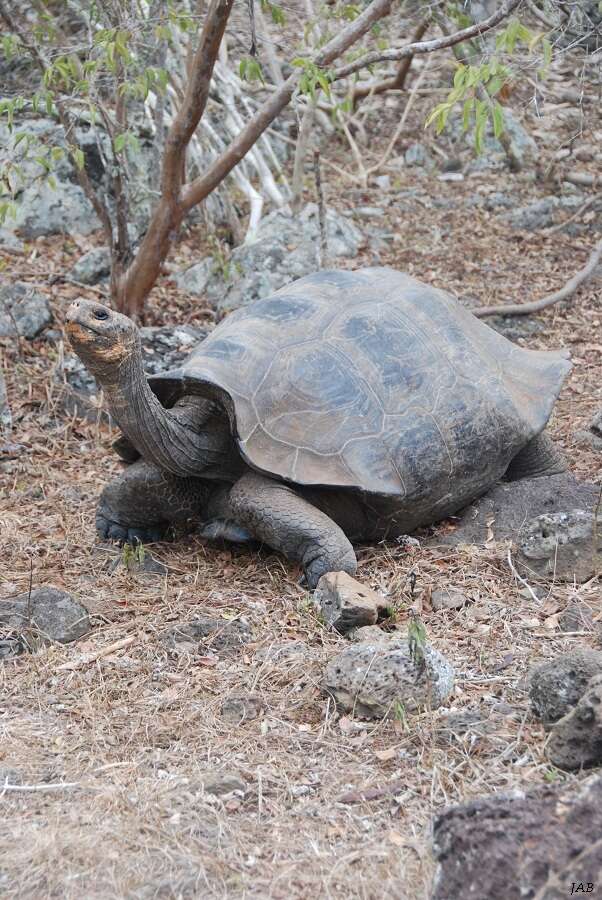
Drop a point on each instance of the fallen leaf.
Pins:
(385, 755)
(396, 838)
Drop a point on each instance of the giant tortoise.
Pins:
(348, 406)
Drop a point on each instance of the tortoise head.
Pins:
(101, 337)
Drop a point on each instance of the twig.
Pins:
(397, 81)
(520, 578)
(323, 256)
(564, 293)
(375, 793)
(38, 787)
(575, 215)
(96, 654)
(402, 121)
(427, 46)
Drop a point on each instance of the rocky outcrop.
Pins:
(536, 844)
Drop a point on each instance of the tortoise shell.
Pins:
(371, 380)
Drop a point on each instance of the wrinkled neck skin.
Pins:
(192, 439)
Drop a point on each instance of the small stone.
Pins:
(346, 603)
(451, 176)
(11, 646)
(374, 679)
(9, 776)
(556, 686)
(577, 616)
(369, 212)
(370, 633)
(417, 155)
(204, 634)
(293, 651)
(23, 311)
(51, 613)
(506, 847)
(448, 598)
(576, 739)
(242, 708)
(560, 546)
(383, 182)
(92, 266)
(222, 783)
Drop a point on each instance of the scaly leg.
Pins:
(276, 515)
(141, 503)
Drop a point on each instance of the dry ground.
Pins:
(134, 733)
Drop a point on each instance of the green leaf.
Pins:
(498, 119)
(119, 142)
(460, 75)
(78, 157)
(467, 110)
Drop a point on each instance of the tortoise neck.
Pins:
(186, 441)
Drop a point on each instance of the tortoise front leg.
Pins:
(143, 501)
(276, 515)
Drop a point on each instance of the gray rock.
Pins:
(374, 679)
(557, 685)
(54, 614)
(563, 546)
(418, 155)
(346, 603)
(576, 740)
(593, 436)
(92, 266)
(369, 212)
(11, 645)
(9, 776)
(42, 209)
(196, 279)
(542, 213)
(241, 708)
(285, 248)
(577, 616)
(220, 783)
(23, 311)
(524, 845)
(448, 598)
(6, 421)
(370, 634)
(504, 511)
(205, 634)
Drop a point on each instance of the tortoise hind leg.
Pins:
(277, 516)
(143, 501)
(540, 456)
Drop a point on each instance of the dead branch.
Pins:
(564, 293)
(323, 260)
(576, 215)
(396, 82)
(177, 199)
(427, 46)
(398, 131)
(94, 655)
(307, 121)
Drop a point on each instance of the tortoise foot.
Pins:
(108, 529)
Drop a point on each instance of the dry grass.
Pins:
(138, 730)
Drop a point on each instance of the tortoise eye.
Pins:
(101, 313)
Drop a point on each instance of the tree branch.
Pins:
(397, 81)
(564, 293)
(198, 189)
(427, 46)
